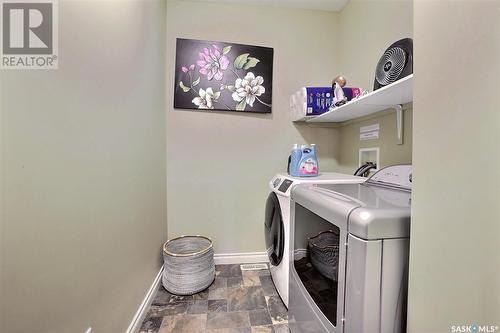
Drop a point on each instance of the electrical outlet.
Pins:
(89, 330)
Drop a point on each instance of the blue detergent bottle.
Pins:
(308, 164)
(293, 161)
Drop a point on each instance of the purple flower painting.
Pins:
(212, 63)
(223, 76)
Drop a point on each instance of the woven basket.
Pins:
(188, 263)
(324, 253)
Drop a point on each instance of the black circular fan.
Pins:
(391, 65)
(395, 63)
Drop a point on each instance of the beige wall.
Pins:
(220, 163)
(454, 254)
(367, 29)
(82, 175)
(390, 152)
(238, 153)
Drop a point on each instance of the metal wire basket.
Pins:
(324, 253)
(188, 263)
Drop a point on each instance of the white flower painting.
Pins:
(206, 99)
(248, 89)
(223, 76)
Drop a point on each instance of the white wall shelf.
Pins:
(390, 96)
(303, 119)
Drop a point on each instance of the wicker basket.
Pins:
(324, 253)
(188, 263)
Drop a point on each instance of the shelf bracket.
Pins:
(399, 123)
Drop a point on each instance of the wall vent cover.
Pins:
(253, 267)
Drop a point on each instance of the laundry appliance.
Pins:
(349, 254)
(277, 221)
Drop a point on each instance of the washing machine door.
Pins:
(274, 230)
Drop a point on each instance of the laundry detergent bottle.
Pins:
(308, 165)
(294, 160)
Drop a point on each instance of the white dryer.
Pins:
(277, 221)
(349, 255)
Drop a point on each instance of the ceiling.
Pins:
(328, 5)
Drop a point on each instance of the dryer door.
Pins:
(274, 230)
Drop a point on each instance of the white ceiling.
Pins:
(328, 5)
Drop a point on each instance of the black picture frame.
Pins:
(222, 76)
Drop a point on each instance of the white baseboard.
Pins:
(240, 258)
(139, 316)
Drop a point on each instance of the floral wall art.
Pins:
(223, 76)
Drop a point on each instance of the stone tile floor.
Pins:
(236, 302)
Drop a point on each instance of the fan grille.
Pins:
(390, 66)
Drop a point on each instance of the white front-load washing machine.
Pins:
(277, 221)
